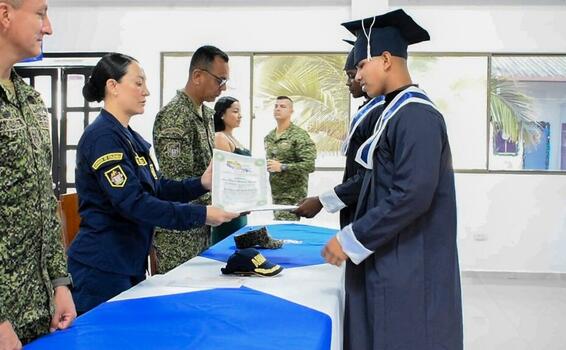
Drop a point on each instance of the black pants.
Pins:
(93, 287)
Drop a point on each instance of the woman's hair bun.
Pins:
(91, 93)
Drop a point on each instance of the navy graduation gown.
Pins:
(362, 133)
(406, 295)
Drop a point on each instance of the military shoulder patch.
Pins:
(173, 148)
(109, 157)
(116, 176)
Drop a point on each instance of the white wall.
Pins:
(512, 222)
(492, 29)
(521, 217)
(145, 32)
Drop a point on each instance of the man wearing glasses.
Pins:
(183, 137)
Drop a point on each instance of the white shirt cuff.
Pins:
(351, 246)
(331, 202)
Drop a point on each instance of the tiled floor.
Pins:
(501, 312)
(516, 314)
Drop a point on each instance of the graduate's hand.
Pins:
(216, 216)
(308, 207)
(333, 253)
(65, 312)
(273, 166)
(8, 338)
(206, 178)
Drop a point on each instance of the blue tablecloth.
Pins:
(212, 319)
(304, 247)
(222, 318)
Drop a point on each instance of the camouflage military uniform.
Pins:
(183, 142)
(295, 149)
(31, 250)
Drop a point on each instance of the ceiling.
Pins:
(477, 2)
(299, 3)
(200, 3)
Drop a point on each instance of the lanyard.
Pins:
(359, 117)
(142, 161)
(410, 95)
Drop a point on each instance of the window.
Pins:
(503, 112)
(59, 78)
(316, 84)
(528, 106)
(457, 85)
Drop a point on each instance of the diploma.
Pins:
(241, 183)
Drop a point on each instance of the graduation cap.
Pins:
(349, 65)
(392, 32)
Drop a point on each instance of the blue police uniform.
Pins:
(121, 200)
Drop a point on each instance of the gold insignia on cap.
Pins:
(267, 271)
(258, 260)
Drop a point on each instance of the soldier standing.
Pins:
(290, 156)
(183, 137)
(34, 297)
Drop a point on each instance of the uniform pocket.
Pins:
(11, 125)
(14, 141)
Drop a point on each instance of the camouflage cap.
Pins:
(257, 238)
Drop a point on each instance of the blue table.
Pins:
(195, 307)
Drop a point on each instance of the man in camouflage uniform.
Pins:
(183, 137)
(290, 156)
(34, 297)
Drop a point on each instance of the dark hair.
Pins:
(204, 56)
(219, 109)
(284, 98)
(111, 66)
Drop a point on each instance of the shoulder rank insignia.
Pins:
(116, 176)
(109, 157)
(141, 160)
(153, 173)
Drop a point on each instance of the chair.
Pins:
(70, 221)
(152, 262)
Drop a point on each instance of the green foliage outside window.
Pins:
(316, 84)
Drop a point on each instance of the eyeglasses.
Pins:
(221, 81)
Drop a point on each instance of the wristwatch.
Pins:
(284, 167)
(63, 281)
